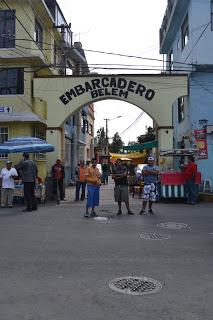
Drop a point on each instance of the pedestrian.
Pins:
(105, 172)
(7, 175)
(28, 171)
(190, 172)
(80, 181)
(150, 175)
(58, 175)
(121, 190)
(93, 178)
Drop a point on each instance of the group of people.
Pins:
(28, 171)
(90, 176)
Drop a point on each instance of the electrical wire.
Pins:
(202, 33)
(22, 26)
(138, 117)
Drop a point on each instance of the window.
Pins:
(178, 44)
(41, 134)
(3, 137)
(180, 109)
(185, 32)
(91, 129)
(7, 29)
(171, 61)
(38, 34)
(11, 81)
(212, 15)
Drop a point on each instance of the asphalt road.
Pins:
(57, 265)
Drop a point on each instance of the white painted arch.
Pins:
(154, 94)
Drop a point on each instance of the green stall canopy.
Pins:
(141, 146)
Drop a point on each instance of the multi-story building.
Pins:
(186, 40)
(35, 40)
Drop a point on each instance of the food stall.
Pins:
(19, 192)
(172, 182)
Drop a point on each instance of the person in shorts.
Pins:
(150, 175)
(121, 191)
(93, 179)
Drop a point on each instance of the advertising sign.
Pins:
(201, 141)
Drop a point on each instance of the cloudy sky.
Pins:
(130, 28)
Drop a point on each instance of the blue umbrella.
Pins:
(25, 144)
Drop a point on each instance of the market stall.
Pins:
(172, 182)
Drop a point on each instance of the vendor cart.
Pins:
(172, 183)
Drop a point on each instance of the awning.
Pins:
(131, 156)
(21, 117)
(142, 146)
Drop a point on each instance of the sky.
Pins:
(130, 28)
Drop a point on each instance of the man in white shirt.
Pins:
(7, 176)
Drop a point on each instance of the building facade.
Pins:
(36, 41)
(186, 40)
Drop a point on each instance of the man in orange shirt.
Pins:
(80, 181)
(190, 172)
(93, 178)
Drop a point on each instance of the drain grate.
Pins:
(172, 225)
(135, 285)
(154, 236)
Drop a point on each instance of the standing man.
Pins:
(121, 191)
(80, 181)
(58, 176)
(7, 175)
(150, 174)
(29, 171)
(190, 172)
(93, 178)
(105, 172)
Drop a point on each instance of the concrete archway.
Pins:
(154, 94)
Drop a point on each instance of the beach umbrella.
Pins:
(26, 144)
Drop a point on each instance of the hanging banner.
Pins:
(201, 142)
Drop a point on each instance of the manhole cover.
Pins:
(172, 225)
(101, 219)
(154, 236)
(135, 285)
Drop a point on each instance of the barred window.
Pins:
(7, 29)
(4, 135)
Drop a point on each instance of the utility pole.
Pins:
(63, 47)
(107, 139)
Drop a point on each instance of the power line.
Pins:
(198, 40)
(138, 117)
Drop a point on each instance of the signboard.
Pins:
(6, 109)
(201, 142)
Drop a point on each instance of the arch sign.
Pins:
(154, 94)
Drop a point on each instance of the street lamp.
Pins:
(107, 139)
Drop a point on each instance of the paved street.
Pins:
(57, 265)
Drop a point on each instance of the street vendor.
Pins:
(8, 175)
